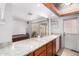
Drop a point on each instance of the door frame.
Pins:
(65, 19)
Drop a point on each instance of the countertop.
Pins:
(25, 47)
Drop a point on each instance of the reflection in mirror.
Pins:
(40, 28)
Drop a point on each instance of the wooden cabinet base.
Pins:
(47, 50)
(40, 51)
(54, 47)
(43, 54)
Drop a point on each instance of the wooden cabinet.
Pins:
(40, 51)
(50, 49)
(47, 50)
(42, 54)
(54, 47)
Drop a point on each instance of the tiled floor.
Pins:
(67, 52)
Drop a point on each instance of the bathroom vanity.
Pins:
(45, 46)
(48, 49)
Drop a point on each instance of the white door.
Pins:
(71, 35)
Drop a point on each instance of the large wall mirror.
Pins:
(40, 28)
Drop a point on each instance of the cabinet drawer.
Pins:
(40, 50)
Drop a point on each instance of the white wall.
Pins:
(29, 28)
(20, 27)
(57, 27)
(6, 29)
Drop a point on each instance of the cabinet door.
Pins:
(54, 47)
(40, 51)
(49, 49)
(42, 54)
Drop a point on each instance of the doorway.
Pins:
(71, 33)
